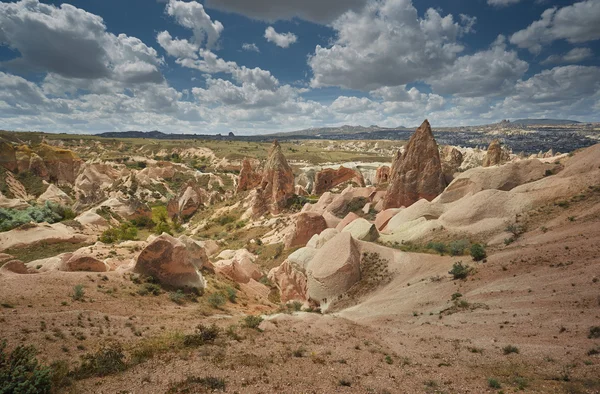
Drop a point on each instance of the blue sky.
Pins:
(261, 66)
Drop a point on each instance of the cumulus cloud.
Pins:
(317, 11)
(575, 55)
(576, 23)
(250, 47)
(282, 40)
(73, 43)
(492, 72)
(193, 16)
(387, 44)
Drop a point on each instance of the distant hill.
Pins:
(528, 122)
(335, 131)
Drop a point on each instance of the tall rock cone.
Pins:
(249, 178)
(277, 184)
(417, 173)
(495, 155)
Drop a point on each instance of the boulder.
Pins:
(383, 217)
(169, 261)
(418, 174)
(290, 281)
(349, 218)
(299, 190)
(276, 186)
(307, 225)
(249, 179)
(382, 175)
(329, 178)
(319, 240)
(362, 230)
(238, 265)
(185, 204)
(16, 267)
(84, 262)
(334, 269)
(302, 256)
(197, 253)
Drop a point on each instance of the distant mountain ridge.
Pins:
(544, 121)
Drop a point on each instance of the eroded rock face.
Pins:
(452, 159)
(84, 262)
(362, 229)
(382, 175)
(290, 281)
(495, 155)
(54, 194)
(169, 261)
(185, 204)
(329, 277)
(249, 179)
(276, 186)
(238, 265)
(418, 173)
(307, 225)
(329, 178)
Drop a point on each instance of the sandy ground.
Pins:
(541, 294)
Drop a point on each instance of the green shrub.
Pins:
(194, 384)
(225, 219)
(150, 288)
(594, 332)
(216, 300)
(460, 271)
(20, 372)
(78, 293)
(251, 321)
(478, 252)
(106, 361)
(457, 248)
(231, 294)
(177, 297)
(439, 247)
(125, 232)
(50, 212)
(493, 383)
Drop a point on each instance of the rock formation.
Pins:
(382, 175)
(307, 225)
(329, 278)
(8, 158)
(238, 265)
(290, 281)
(277, 184)
(452, 159)
(329, 178)
(495, 155)
(417, 173)
(362, 230)
(169, 261)
(249, 179)
(185, 204)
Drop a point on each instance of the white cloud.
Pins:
(282, 40)
(387, 44)
(176, 47)
(272, 10)
(576, 23)
(193, 16)
(250, 47)
(73, 43)
(492, 72)
(575, 55)
(502, 3)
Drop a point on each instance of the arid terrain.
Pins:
(138, 265)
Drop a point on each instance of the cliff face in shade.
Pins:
(329, 178)
(417, 173)
(276, 185)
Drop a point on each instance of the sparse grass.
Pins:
(108, 360)
(194, 384)
(216, 300)
(204, 334)
(78, 293)
(494, 383)
(251, 321)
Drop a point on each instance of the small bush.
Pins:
(194, 384)
(49, 212)
(508, 349)
(202, 335)
(108, 360)
(439, 247)
(478, 252)
(494, 383)
(231, 294)
(20, 371)
(149, 289)
(457, 248)
(78, 293)
(251, 321)
(125, 232)
(177, 297)
(216, 300)
(594, 332)
(460, 271)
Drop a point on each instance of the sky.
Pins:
(264, 66)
